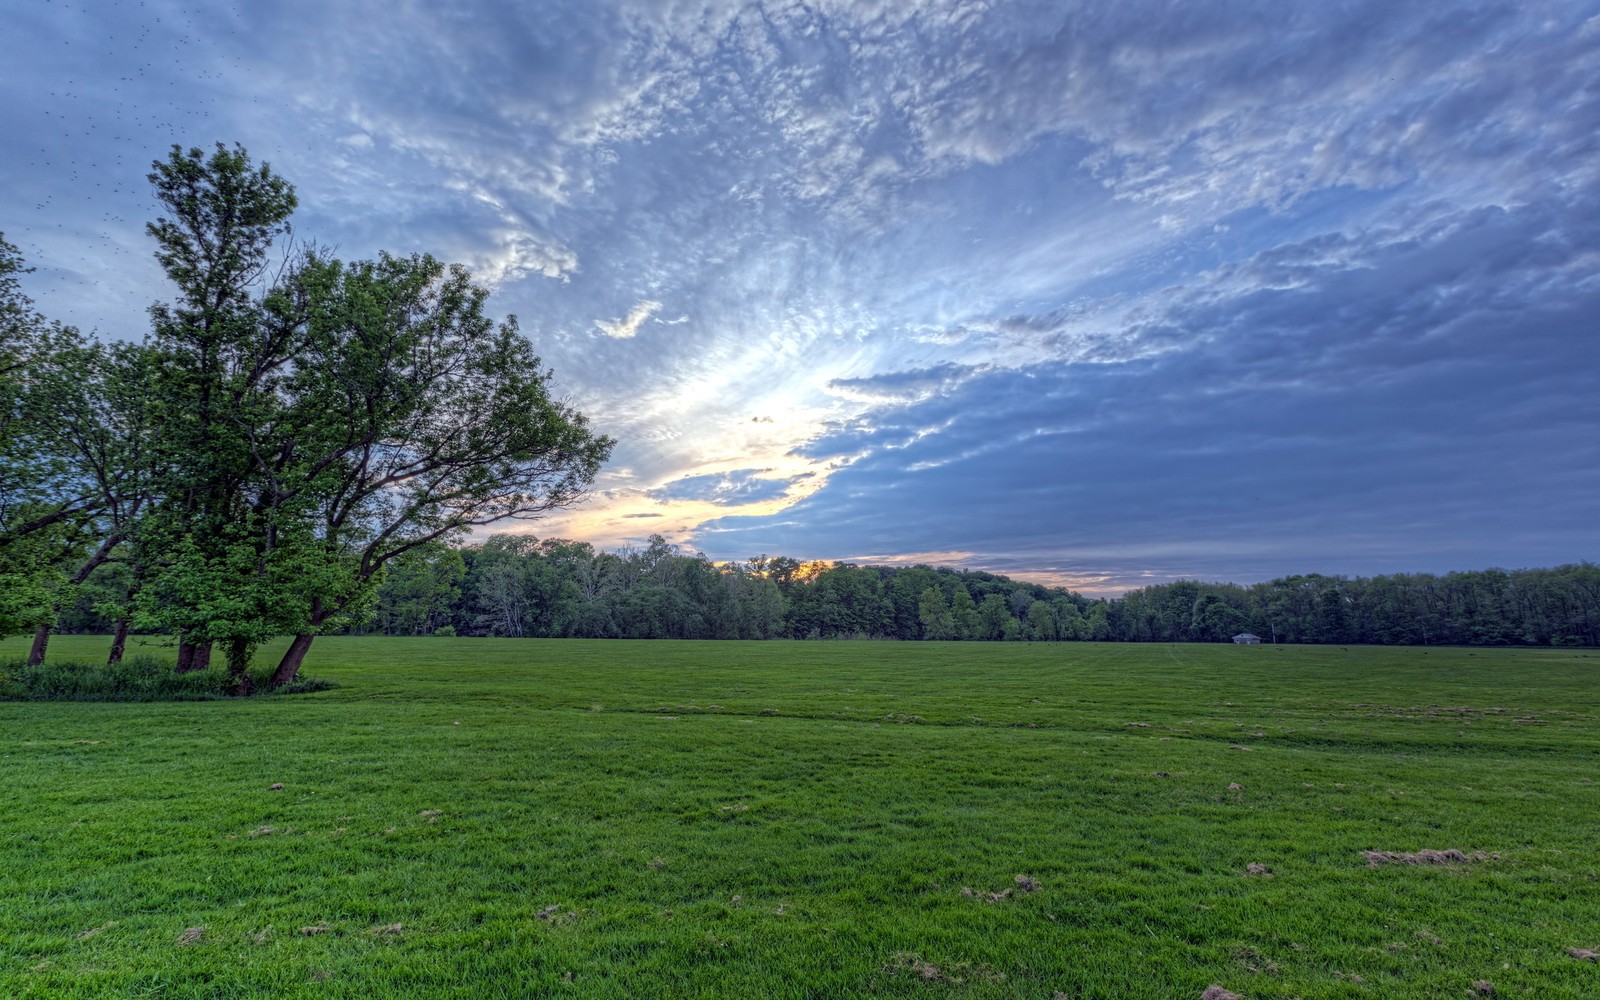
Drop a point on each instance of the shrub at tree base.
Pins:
(135, 679)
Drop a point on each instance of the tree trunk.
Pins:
(41, 643)
(119, 642)
(293, 657)
(202, 656)
(185, 657)
(239, 667)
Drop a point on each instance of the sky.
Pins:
(1097, 295)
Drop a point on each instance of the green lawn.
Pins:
(505, 818)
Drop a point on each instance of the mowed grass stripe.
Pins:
(805, 838)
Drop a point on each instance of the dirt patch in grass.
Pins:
(1449, 856)
(1023, 883)
(191, 935)
(1215, 992)
(925, 971)
(988, 897)
(1257, 868)
(1584, 954)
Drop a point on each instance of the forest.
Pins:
(519, 586)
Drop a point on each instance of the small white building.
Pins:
(1246, 639)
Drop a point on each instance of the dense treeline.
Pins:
(519, 586)
(1536, 607)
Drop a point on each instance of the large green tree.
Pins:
(316, 421)
(408, 416)
(219, 548)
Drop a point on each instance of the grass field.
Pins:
(506, 818)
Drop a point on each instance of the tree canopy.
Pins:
(292, 424)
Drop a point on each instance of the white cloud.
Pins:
(628, 326)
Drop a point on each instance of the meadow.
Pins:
(514, 818)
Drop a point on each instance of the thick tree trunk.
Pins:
(119, 642)
(41, 644)
(202, 656)
(185, 657)
(293, 657)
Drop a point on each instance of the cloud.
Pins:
(628, 326)
(1041, 243)
(741, 486)
(1401, 398)
(903, 386)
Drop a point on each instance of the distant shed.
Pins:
(1246, 639)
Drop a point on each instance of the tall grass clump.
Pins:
(138, 678)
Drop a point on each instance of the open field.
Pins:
(502, 818)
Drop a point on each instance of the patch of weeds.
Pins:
(138, 678)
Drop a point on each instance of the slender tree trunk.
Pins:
(293, 657)
(119, 636)
(239, 667)
(119, 642)
(41, 635)
(41, 643)
(185, 657)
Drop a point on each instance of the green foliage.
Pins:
(1545, 607)
(139, 678)
(812, 834)
(934, 614)
(55, 477)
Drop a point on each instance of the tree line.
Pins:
(291, 425)
(518, 586)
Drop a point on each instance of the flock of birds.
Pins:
(99, 91)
